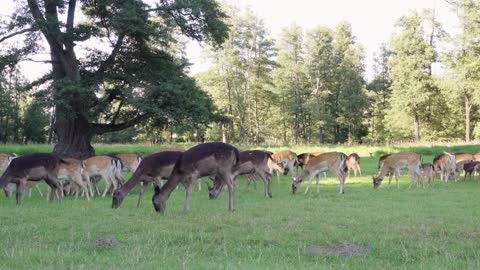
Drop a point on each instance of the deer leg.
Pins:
(397, 176)
(77, 179)
(348, 168)
(188, 193)
(231, 192)
(341, 177)
(248, 180)
(318, 182)
(53, 183)
(107, 186)
(199, 184)
(95, 181)
(278, 176)
(390, 174)
(292, 168)
(359, 170)
(269, 181)
(39, 190)
(266, 180)
(20, 190)
(157, 181)
(143, 186)
(412, 175)
(309, 182)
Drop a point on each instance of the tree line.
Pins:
(307, 86)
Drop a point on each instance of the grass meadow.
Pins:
(435, 228)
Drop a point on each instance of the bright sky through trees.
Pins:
(372, 21)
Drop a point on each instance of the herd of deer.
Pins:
(221, 161)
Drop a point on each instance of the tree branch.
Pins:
(70, 20)
(45, 78)
(38, 61)
(42, 23)
(104, 128)
(16, 34)
(109, 61)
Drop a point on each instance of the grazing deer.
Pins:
(331, 161)
(109, 168)
(72, 169)
(250, 162)
(174, 149)
(130, 161)
(208, 159)
(271, 167)
(33, 167)
(460, 159)
(151, 169)
(444, 165)
(4, 161)
(353, 163)
(427, 171)
(287, 160)
(305, 157)
(394, 162)
(69, 169)
(470, 168)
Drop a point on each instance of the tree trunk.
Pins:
(224, 134)
(51, 127)
(416, 126)
(468, 107)
(321, 136)
(257, 120)
(74, 136)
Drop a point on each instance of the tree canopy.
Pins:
(114, 63)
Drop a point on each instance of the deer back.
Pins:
(159, 164)
(327, 161)
(206, 159)
(251, 161)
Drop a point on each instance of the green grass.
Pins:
(436, 228)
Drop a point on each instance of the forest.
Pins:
(306, 86)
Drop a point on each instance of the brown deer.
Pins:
(303, 158)
(4, 161)
(151, 169)
(271, 167)
(287, 160)
(109, 168)
(207, 159)
(444, 165)
(394, 162)
(353, 163)
(427, 171)
(330, 161)
(250, 162)
(130, 161)
(71, 170)
(33, 167)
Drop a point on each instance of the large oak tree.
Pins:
(111, 62)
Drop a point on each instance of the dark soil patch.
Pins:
(347, 249)
(107, 242)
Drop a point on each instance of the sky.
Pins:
(372, 21)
